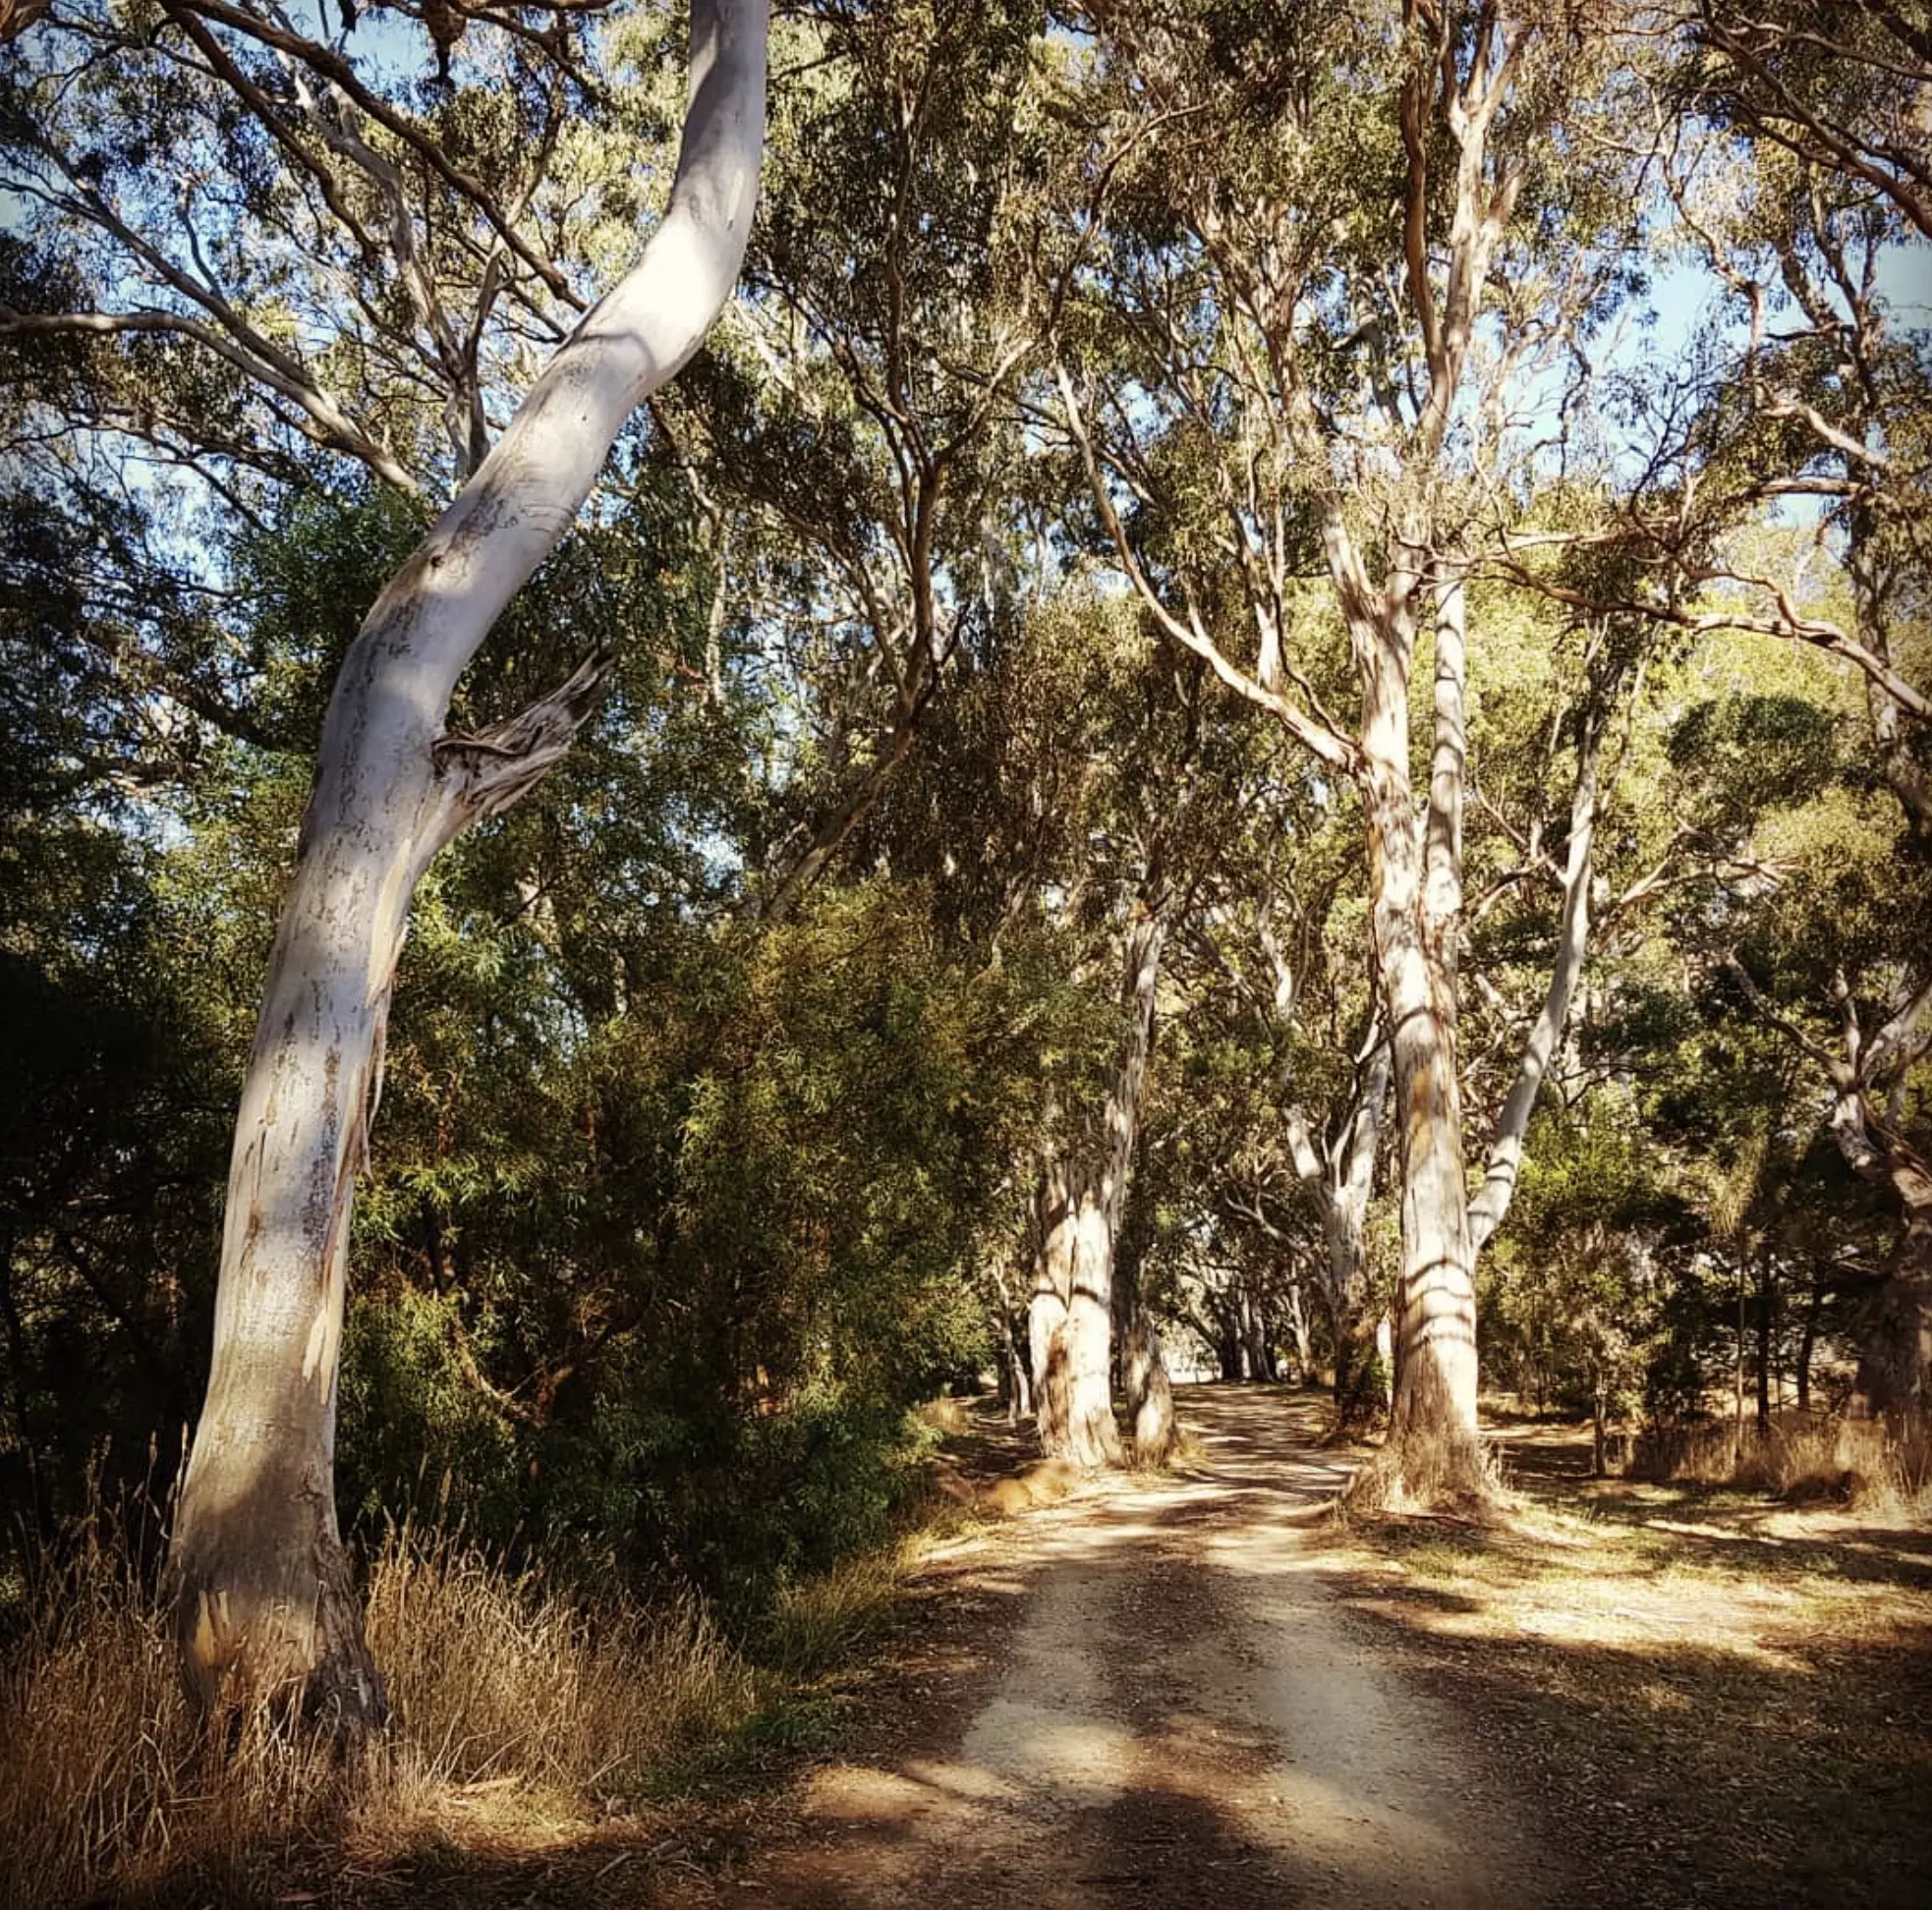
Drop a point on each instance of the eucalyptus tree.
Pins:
(252, 258)
(1183, 785)
(1797, 453)
(264, 1599)
(1269, 374)
(1287, 1033)
(241, 242)
(1839, 90)
(854, 435)
(1076, 797)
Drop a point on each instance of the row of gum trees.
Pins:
(1191, 675)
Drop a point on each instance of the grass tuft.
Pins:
(820, 1622)
(522, 1713)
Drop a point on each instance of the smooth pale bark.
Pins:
(1433, 1451)
(1081, 1199)
(1261, 1363)
(1299, 1333)
(1149, 1393)
(1456, 85)
(265, 1607)
(1015, 1378)
(1069, 1322)
(1506, 1152)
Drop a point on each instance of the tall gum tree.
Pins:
(1172, 826)
(1316, 380)
(264, 1606)
(1035, 819)
(1081, 1200)
(1800, 176)
(864, 425)
(1291, 974)
(1830, 401)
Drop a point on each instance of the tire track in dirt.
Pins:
(1180, 1714)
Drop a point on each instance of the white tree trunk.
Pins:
(1346, 1180)
(263, 1602)
(1149, 1393)
(1081, 1201)
(1432, 1452)
(1069, 1322)
(1505, 1153)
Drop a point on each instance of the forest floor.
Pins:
(1202, 1688)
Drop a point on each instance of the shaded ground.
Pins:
(1152, 1697)
(1718, 1700)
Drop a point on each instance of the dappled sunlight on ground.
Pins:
(1178, 1712)
(1203, 1691)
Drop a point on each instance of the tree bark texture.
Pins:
(1344, 1217)
(1894, 1380)
(1433, 1451)
(1081, 1199)
(265, 1605)
(1149, 1393)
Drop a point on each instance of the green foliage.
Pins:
(1577, 1291)
(674, 1207)
(423, 1430)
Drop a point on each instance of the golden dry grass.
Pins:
(523, 1717)
(1802, 1457)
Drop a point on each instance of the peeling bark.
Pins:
(265, 1605)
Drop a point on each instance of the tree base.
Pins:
(247, 1648)
(1454, 1475)
(1155, 1433)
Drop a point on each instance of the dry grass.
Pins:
(950, 1414)
(1802, 1457)
(523, 1717)
(820, 1622)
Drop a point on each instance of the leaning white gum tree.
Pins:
(265, 1605)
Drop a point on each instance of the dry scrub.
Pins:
(1802, 1457)
(522, 1718)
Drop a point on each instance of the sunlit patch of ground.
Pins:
(1730, 1700)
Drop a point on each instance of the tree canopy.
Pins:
(1273, 669)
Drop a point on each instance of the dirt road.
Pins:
(1164, 1706)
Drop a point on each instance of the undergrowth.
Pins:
(525, 1713)
(521, 1710)
(1798, 1456)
